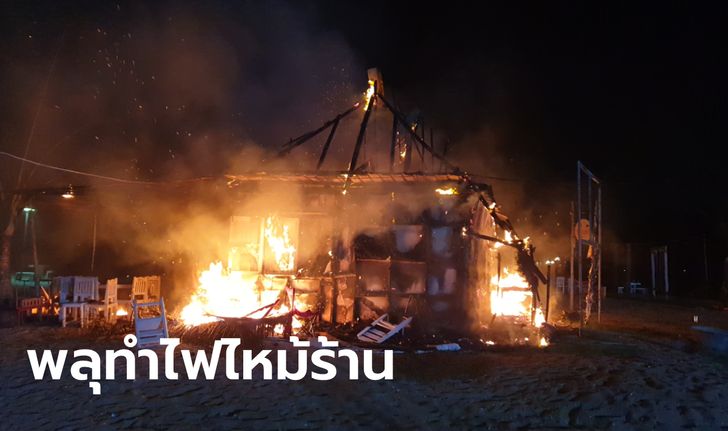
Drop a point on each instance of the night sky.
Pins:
(636, 92)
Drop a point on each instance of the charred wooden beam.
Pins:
(293, 143)
(414, 135)
(360, 138)
(325, 150)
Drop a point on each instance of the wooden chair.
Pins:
(148, 329)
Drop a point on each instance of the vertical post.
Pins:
(36, 275)
(571, 259)
(548, 293)
(432, 153)
(652, 267)
(599, 248)
(667, 277)
(93, 244)
(591, 244)
(393, 145)
(578, 236)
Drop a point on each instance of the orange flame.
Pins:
(368, 94)
(280, 243)
(511, 296)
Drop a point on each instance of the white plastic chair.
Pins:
(110, 304)
(84, 289)
(149, 330)
(63, 286)
(145, 288)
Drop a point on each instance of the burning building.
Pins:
(430, 244)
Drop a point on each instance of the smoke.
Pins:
(165, 92)
(161, 92)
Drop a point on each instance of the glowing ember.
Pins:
(446, 192)
(543, 342)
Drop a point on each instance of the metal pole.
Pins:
(591, 242)
(548, 294)
(652, 266)
(667, 277)
(578, 235)
(36, 275)
(599, 249)
(571, 259)
(93, 245)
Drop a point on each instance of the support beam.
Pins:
(360, 138)
(293, 143)
(325, 150)
(414, 135)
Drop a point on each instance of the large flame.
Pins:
(511, 296)
(226, 292)
(280, 244)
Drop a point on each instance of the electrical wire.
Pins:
(73, 171)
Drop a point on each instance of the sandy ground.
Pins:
(634, 371)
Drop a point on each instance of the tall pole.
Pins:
(36, 275)
(548, 292)
(599, 249)
(571, 259)
(93, 244)
(393, 143)
(591, 243)
(578, 236)
(667, 276)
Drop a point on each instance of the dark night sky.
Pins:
(637, 92)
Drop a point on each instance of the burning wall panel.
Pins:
(344, 293)
(280, 245)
